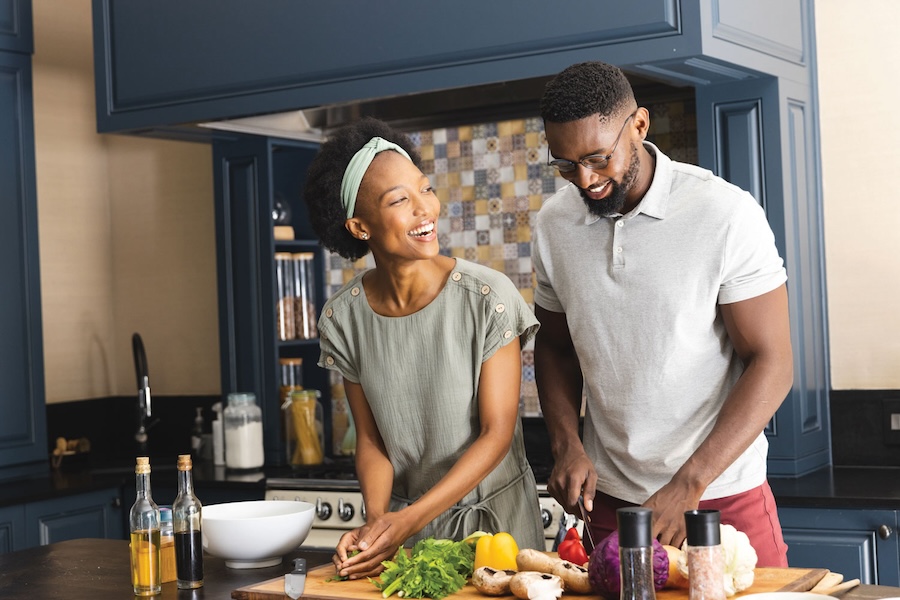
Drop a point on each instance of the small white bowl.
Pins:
(255, 533)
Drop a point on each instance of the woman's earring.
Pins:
(364, 236)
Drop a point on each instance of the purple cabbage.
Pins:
(603, 567)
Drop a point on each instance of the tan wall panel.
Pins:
(127, 236)
(857, 92)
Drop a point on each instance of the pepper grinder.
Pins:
(705, 555)
(635, 526)
(295, 581)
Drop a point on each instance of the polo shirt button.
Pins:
(329, 360)
(354, 291)
(500, 308)
(619, 249)
(485, 289)
(507, 334)
(329, 312)
(456, 276)
(620, 223)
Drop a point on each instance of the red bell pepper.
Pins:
(571, 548)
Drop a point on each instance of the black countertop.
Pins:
(834, 487)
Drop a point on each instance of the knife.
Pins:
(586, 520)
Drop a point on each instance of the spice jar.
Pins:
(306, 416)
(705, 555)
(243, 432)
(635, 553)
(285, 325)
(304, 296)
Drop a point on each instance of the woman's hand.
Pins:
(376, 541)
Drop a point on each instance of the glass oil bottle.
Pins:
(186, 517)
(143, 522)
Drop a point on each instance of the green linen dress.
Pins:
(420, 374)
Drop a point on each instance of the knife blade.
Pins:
(586, 520)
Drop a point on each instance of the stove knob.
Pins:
(345, 510)
(323, 509)
(362, 510)
(546, 517)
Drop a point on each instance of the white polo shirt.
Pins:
(641, 292)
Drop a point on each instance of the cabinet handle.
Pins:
(885, 531)
(117, 502)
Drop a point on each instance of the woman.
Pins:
(429, 348)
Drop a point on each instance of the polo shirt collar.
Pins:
(655, 200)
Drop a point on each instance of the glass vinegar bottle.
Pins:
(143, 524)
(186, 518)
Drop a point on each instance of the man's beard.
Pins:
(613, 203)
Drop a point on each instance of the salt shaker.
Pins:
(636, 553)
(705, 555)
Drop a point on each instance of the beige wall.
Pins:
(127, 238)
(858, 89)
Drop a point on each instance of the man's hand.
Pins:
(669, 504)
(573, 476)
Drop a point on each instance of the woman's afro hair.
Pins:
(322, 191)
(586, 89)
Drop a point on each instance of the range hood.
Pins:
(429, 110)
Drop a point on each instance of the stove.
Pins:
(339, 508)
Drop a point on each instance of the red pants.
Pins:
(752, 512)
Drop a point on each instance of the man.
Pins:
(662, 300)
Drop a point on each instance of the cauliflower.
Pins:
(740, 559)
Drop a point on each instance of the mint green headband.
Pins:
(358, 166)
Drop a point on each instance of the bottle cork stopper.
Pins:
(184, 462)
(142, 465)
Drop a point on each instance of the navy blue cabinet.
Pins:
(23, 438)
(15, 26)
(90, 515)
(857, 543)
(12, 528)
(249, 174)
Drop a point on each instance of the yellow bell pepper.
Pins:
(497, 551)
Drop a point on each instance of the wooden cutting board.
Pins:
(765, 580)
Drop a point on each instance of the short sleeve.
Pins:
(752, 264)
(544, 294)
(335, 351)
(508, 317)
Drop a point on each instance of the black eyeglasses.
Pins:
(592, 161)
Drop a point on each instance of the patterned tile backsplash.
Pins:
(491, 179)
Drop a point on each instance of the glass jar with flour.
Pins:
(243, 432)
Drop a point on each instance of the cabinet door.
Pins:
(15, 26)
(12, 528)
(857, 543)
(92, 515)
(23, 436)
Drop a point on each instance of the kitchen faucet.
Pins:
(145, 410)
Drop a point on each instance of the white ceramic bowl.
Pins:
(255, 533)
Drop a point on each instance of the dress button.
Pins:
(354, 291)
(329, 360)
(500, 308)
(485, 289)
(456, 276)
(329, 312)
(507, 334)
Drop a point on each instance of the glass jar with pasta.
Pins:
(306, 414)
